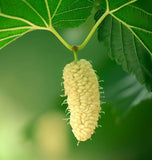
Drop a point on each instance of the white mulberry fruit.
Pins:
(83, 98)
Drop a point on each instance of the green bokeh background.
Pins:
(30, 88)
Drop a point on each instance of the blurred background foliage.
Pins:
(32, 125)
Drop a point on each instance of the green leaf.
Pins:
(18, 17)
(113, 4)
(127, 34)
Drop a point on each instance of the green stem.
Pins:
(75, 48)
(61, 39)
(87, 38)
(92, 31)
(75, 57)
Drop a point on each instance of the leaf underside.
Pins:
(127, 35)
(18, 17)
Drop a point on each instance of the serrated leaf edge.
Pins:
(129, 27)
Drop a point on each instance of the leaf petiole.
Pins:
(84, 43)
(92, 31)
(61, 39)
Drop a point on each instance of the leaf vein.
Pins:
(72, 10)
(150, 14)
(48, 10)
(15, 28)
(31, 7)
(138, 28)
(132, 32)
(2, 39)
(68, 20)
(15, 39)
(141, 65)
(60, 1)
(17, 18)
(126, 4)
(74, 2)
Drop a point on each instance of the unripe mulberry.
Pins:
(83, 98)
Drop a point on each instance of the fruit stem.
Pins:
(61, 39)
(75, 57)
